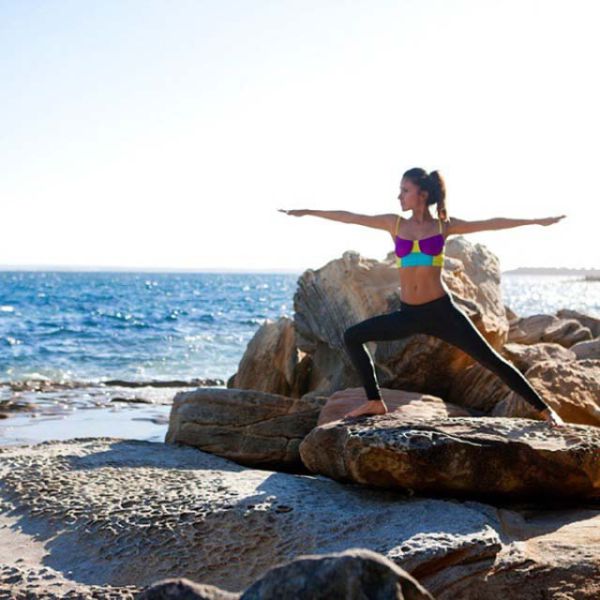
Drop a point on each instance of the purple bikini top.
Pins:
(432, 245)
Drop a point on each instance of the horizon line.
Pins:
(282, 270)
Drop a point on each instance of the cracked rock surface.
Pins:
(91, 513)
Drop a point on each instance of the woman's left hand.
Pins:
(550, 220)
(552, 418)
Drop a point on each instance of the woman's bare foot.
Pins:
(371, 407)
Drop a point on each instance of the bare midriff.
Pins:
(421, 284)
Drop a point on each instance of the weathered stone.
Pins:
(250, 427)
(548, 328)
(511, 315)
(571, 388)
(405, 405)
(454, 456)
(477, 388)
(592, 323)
(132, 513)
(270, 361)
(587, 349)
(338, 575)
(524, 356)
(180, 588)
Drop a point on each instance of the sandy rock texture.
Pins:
(587, 349)
(592, 323)
(405, 405)
(272, 360)
(571, 388)
(548, 328)
(477, 389)
(338, 575)
(251, 427)
(108, 512)
(483, 457)
(524, 356)
(334, 575)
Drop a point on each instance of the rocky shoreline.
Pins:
(261, 490)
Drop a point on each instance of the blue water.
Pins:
(134, 326)
(93, 326)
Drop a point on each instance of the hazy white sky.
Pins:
(149, 133)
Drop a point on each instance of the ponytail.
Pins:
(435, 187)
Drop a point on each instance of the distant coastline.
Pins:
(114, 269)
(552, 271)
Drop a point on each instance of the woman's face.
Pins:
(410, 195)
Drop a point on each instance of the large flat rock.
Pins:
(128, 513)
(477, 457)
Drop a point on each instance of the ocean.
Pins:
(76, 330)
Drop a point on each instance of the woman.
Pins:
(425, 304)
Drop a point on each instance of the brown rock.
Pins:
(477, 388)
(271, 358)
(587, 349)
(545, 554)
(405, 405)
(340, 575)
(455, 456)
(571, 388)
(181, 588)
(592, 323)
(247, 426)
(511, 315)
(524, 356)
(548, 328)
(131, 512)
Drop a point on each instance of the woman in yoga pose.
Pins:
(425, 304)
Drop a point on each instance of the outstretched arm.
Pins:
(457, 226)
(375, 221)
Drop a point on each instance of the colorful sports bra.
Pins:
(413, 253)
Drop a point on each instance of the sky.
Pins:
(166, 134)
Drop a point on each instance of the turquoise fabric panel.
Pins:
(417, 259)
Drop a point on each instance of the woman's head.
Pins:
(418, 187)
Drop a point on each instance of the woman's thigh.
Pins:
(389, 326)
(456, 328)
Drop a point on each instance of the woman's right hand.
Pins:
(295, 213)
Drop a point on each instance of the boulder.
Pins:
(405, 405)
(571, 388)
(454, 456)
(477, 389)
(338, 575)
(482, 270)
(587, 349)
(247, 426)
(270, 362)
(511, 315)
(524, 356)
(548, 328)
(592, 323)
(180, 588)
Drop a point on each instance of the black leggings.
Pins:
(443, 319)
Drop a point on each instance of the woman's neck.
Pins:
(421, 215)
